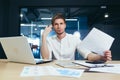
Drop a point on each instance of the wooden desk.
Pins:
(12, 71)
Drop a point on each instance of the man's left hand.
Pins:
(107, 55)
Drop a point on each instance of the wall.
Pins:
(3, 23)
(9, 19)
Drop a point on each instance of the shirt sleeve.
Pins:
(49, 48)
(82, 50)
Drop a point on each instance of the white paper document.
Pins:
(50, 71)
(66, 64)
(69, 72)
(38, 71)
(89, 64)
(97, 41)
(114, 69)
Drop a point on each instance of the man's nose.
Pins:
(59, 26)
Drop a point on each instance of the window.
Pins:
(79, 20)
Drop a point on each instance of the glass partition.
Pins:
(79, 20)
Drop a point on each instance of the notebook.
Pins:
(17, 49)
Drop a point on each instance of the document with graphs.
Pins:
(50, 71)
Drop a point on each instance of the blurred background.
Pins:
(30, 17)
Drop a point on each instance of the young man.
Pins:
(62, 46)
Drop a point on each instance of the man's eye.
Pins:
(55, 24)
(61, 23)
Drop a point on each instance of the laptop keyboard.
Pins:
(42, 60)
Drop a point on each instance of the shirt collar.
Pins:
(61, 39)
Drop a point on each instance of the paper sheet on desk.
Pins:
(97, 41)
(89, 65)
(49, 70)
(114, 69)
(69, 72)
(38, 71)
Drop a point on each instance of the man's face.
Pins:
(59, 26)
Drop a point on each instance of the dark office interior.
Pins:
(92, 14)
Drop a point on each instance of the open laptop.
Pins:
(17, 49)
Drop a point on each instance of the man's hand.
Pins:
(107, 56)
(44, 47)
(95, 57)
(47, 30)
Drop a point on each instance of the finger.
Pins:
(107, 51)
(109, 58)
(46, 27)
(50, 26)
(109, 55)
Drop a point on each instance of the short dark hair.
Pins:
(58, 16)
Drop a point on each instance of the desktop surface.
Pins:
(12, 71)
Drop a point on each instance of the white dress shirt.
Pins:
(65, 48)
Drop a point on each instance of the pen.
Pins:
(108, 65)
(95, 62)
(105, 65)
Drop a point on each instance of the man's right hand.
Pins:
(44, 48)
(47, 30)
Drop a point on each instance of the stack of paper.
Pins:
(114, 69)
(108, 68)
(89, 65)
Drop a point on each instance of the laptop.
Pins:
(17, 49)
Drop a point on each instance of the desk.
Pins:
(12, 71)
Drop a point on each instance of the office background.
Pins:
(10, 17)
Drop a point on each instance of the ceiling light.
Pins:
(106, 15)
(32, 25)
(71, 19)
(65, 19)
(35, 29)
(21, 15)
(46, 18)
(103, 7)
